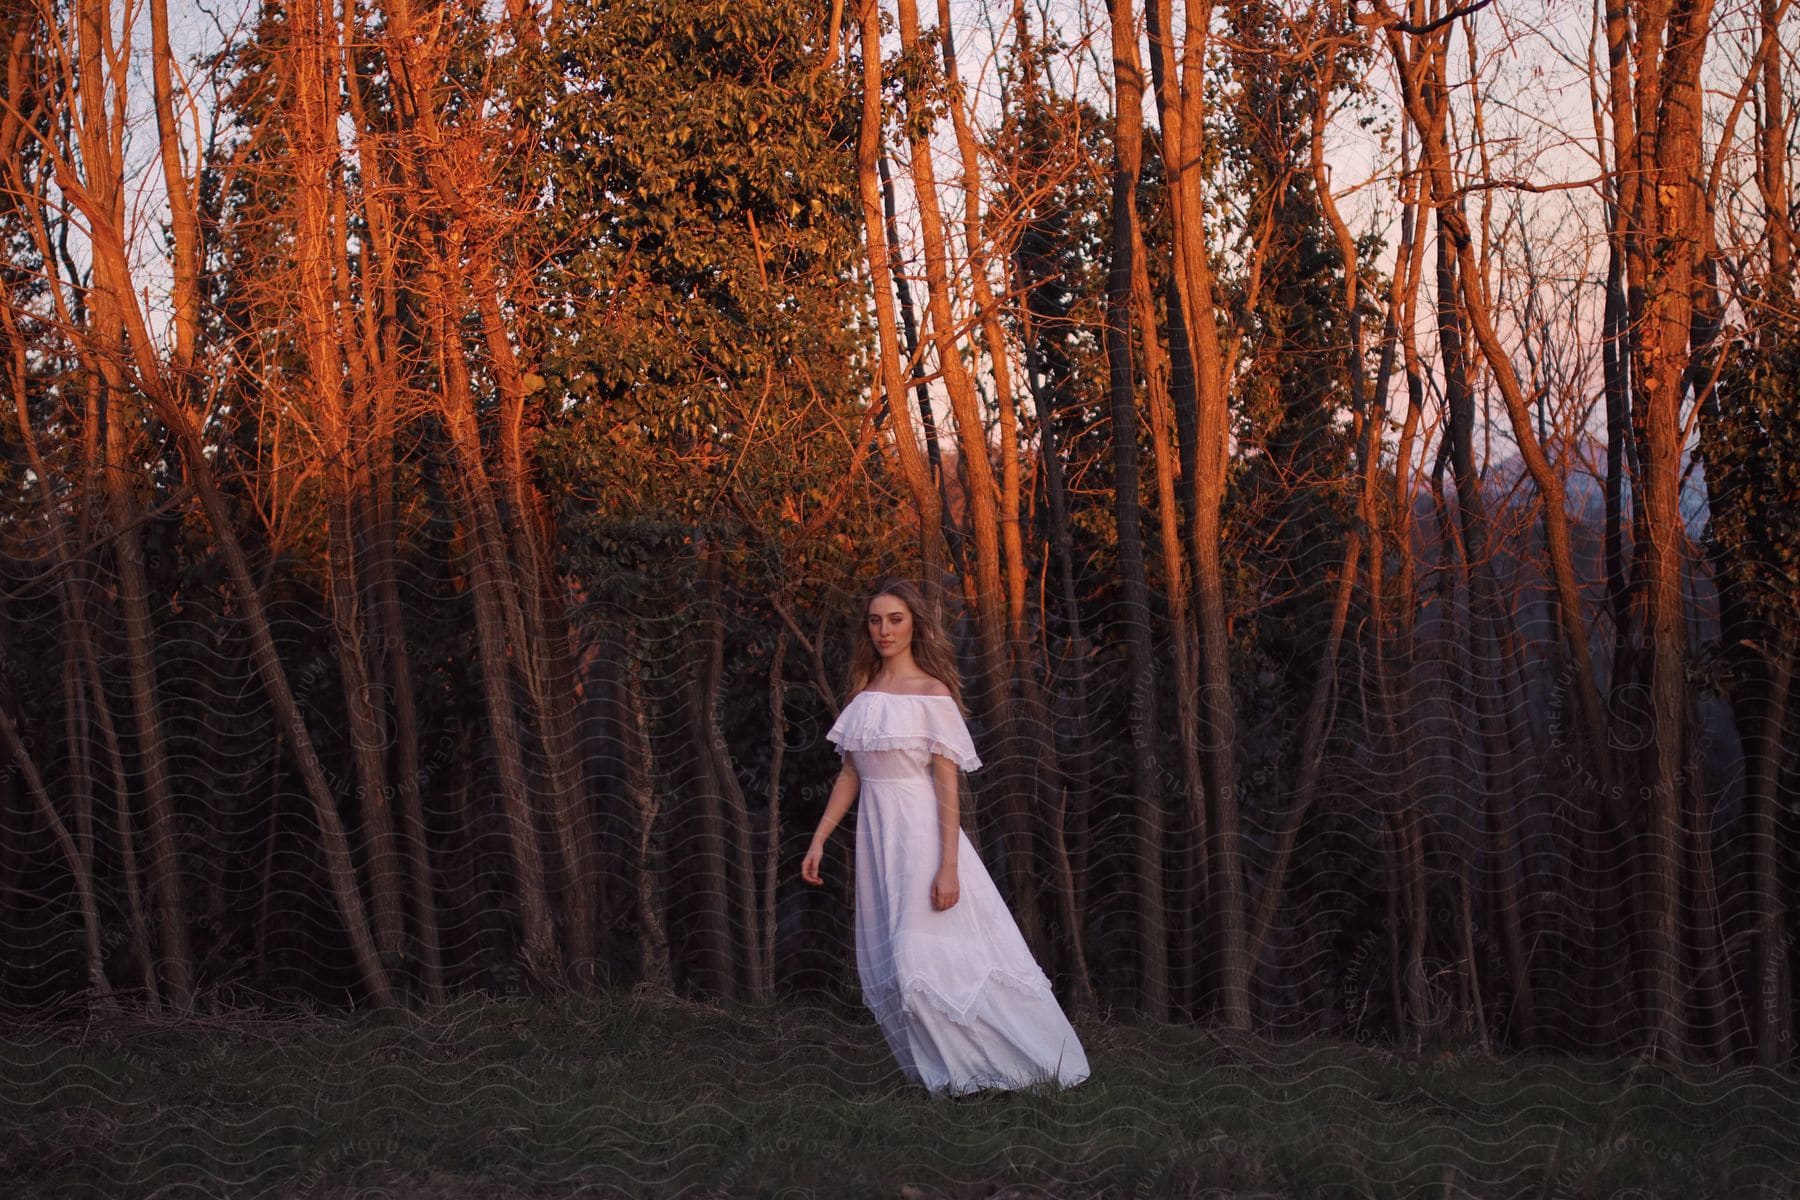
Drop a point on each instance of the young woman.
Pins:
(952, 984)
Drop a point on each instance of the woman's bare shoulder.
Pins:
(929, 685)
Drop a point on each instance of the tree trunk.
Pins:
(80, 865)
(498, 628)
(741, 868)
(380, 348)
(909, 324)
(78, 656)
(1069, 670)
(702, 863)
(771, 871)
(1146, 780)
(893, 387)
(313, 54)
(982, 586)
(1665, 155)
(1181, 101)
(632, 710)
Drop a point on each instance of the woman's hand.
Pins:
(809, 867)
(944, 889)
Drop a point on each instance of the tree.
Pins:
(706, 327)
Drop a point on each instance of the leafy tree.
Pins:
(706, 330)
(1292, 491)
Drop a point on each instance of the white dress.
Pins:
(957, 993)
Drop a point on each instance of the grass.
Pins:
(635, 1096)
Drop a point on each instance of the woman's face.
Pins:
(890, 626)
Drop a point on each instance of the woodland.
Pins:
(1355, 443)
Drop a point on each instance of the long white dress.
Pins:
(957, 993)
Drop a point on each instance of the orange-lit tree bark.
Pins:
(466, 208)
(309, 67)
(100, 194)
(1030, 718)
(1425, 97)
(23, 216)
(1369, 411)
(890, 379)
(497, 621)
(1147, 793)
(983, 588)
(1181, 102)
(1656, 50)
(1030, 721)
(987, 313)
(1050, 160)
(380, 362)
(129, 368)
(909, 329)
(1264, 65)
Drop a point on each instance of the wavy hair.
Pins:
(931, 648)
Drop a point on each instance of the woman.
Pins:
(958, 996)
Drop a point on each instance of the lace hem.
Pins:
(965, 759)
(894, 1000)
(903, 722)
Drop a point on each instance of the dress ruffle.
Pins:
(894, 721)
(889, 1002)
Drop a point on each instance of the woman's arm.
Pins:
(945, 889)
(843, 795)
(943, 779)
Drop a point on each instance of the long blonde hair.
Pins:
(931, 648)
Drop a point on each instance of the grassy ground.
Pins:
(635, 1097)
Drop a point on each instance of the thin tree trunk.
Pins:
(893, 387)
(1498, 778)
(96, 131)
(740, 869)
(1369, 413)
(910, 328)
(1774, 984)
(772, 838)
(710, 884)
(1192, 888)
(634, 723)
(537, 636)
(1669, 47)
(1146, 780)
(81, 873)
(999, 360)
(380, 348)
(983, 586)
(1181, 101)
(498, 627)
(1069, 671)
(77, 649)
(1315, 729)
(313, 54)
(141, 942)
(121, 336)
(1773, 160)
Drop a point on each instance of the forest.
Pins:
(447, 447)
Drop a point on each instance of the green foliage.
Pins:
(704, 316)
(1290, 492)
(1751, 448)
